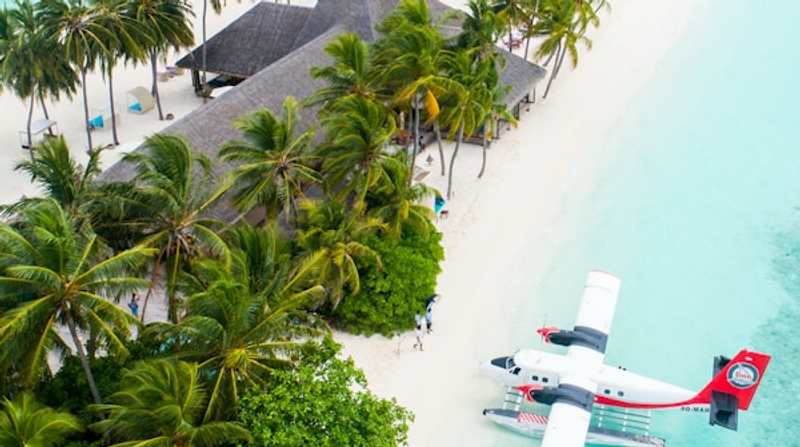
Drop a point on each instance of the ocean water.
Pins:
(698, 212)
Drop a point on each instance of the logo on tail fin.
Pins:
(742, 375)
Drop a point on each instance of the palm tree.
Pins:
(350, 74)
(408, 57)
(162, 403)
(466, 106)
(480, 30)
(175, 186)
(478, 35)
(244, 317)
(498, 111)
(60, 275)
(276, 165)
(512, 13)
(329, 240)
(62, 178)
(27, 423)
(587, 12)
(31, 65)
(74, 26)
(399, 206)
(356, 159)
(112, 16)
(166, 25)
(562, 32)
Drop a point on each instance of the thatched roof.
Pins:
(261, 36)
(521, 75)
(207, 127)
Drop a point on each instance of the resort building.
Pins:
(268, 53)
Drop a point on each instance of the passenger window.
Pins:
(620, 393)
(535, 378)
(544, 379)
(606, 391)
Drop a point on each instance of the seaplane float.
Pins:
(591, 402)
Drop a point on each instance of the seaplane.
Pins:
(591, 402)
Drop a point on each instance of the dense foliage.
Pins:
(323, 403)
(68, 390)
(390, 295)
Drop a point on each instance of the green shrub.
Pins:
(69, 391)
(323, 403)
(390, 296)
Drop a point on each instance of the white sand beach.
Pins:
(534, 173)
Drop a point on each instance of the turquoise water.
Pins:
(698, 211)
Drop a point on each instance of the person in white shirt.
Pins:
(430, 303)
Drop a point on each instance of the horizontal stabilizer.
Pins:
(724, 410)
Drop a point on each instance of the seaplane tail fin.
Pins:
(733, 386)
(739, 377)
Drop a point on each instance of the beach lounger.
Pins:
(140, 101)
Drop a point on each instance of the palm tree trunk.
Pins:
(203, 75)
(86, 109)
(153, 68)
(556, 66)
(172, 302)
(486, 130)
(153, 279)
(527, 45)
(416, 132)
(453, 160)
(532, 18)
(82, 355)
(46, 113)
(28, 128)
(439, 142)
(113, 112)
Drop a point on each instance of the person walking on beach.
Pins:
(134, 304)
(429, 305)
(418, 334)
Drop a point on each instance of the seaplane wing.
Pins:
(595, 314)
(572, 400)
(570, 414)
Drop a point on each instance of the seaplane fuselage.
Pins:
(531, 369)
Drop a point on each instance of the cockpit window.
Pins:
(510, 363)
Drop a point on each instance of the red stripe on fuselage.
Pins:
(697, 400)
